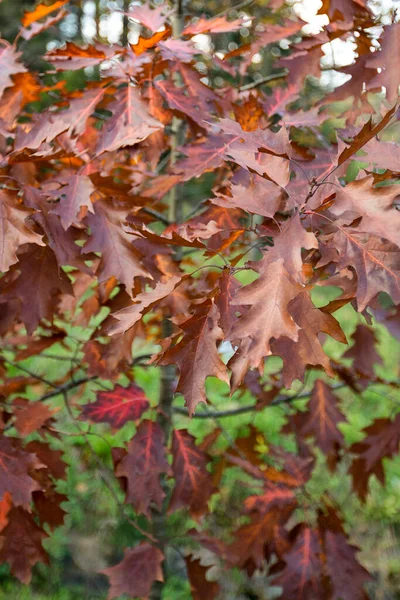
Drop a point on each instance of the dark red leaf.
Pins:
(118, 406)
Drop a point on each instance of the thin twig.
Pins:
(243, 4)
(254, 84)
(281, 399)
(159, 216)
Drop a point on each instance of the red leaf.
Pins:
(193, 483)
(142, 467)
(117, 407)
(136, 573)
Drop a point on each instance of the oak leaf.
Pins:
(193, 483)
(152, 18)
(308, 349)
(144, 302)
(214, 25)
(267, 317)
(30, 416)
(117, 407)
(16, 466)
(301, 577)
(75, 198)
(381, 441)
(130, 122)
(376, 206)
(119, 258)
(72, 57)
(22, 544)
(200, 586)
(142, 467)
(9, 65)
(364, 352)
(196, 354)
(384, 62)
(14, 230)
(376, 262)
(41, 11)
(136, 573)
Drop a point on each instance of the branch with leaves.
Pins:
(166, 205)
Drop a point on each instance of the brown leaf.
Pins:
(256, 540)
(142, 467)
(196, 354)
(16, 466)
(308, 349)
(364, 352)
(9, 65)
(38, 285)
(193, 483)
(376, 206)
(51, 458)
(268, 317)
(14, 230)
(152, 18)
(347, 575)
(258, 196)
(321, 418)
(376, 262)
(136, 573)
(119, 258)
(75, 198)
(381, 441)
(200, 586)
(384, 60)
(22, 544)
(144, 302)
(365, 135)
(30, 416)
(130, 123)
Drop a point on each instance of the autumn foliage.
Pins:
(99, 231)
